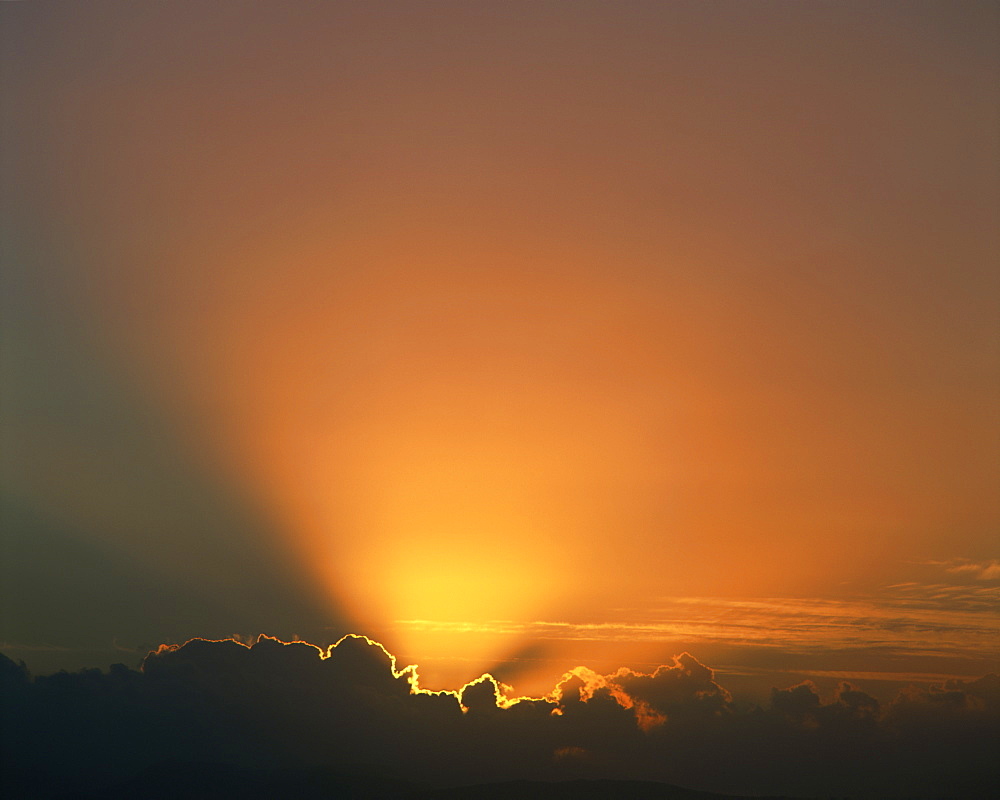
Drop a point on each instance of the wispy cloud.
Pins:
(988, 570)
(982, 571)
(928, 619)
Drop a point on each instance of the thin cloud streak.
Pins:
(988, 570)
(917, 619)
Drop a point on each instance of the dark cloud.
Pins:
(349, 710)
(796, 702)
(685, 689)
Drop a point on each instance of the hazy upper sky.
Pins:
(422, 318)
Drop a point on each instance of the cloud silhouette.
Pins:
(292, 708)
(685, 689)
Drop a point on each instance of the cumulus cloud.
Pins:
(351, 710)
(684, 689)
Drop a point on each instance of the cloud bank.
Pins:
(350, 708)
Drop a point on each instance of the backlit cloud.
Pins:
(295, 706)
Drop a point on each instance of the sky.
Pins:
(515, 336)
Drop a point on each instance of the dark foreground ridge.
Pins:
(173, 780)
(202, 781)
(582, 789)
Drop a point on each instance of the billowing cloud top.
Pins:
(350, 708)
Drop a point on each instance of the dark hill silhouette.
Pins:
(201, 781)
(577, 790)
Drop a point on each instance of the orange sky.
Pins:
(529, 312)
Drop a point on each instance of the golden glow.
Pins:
(464, 440)
(585, 328)
(442, 456)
